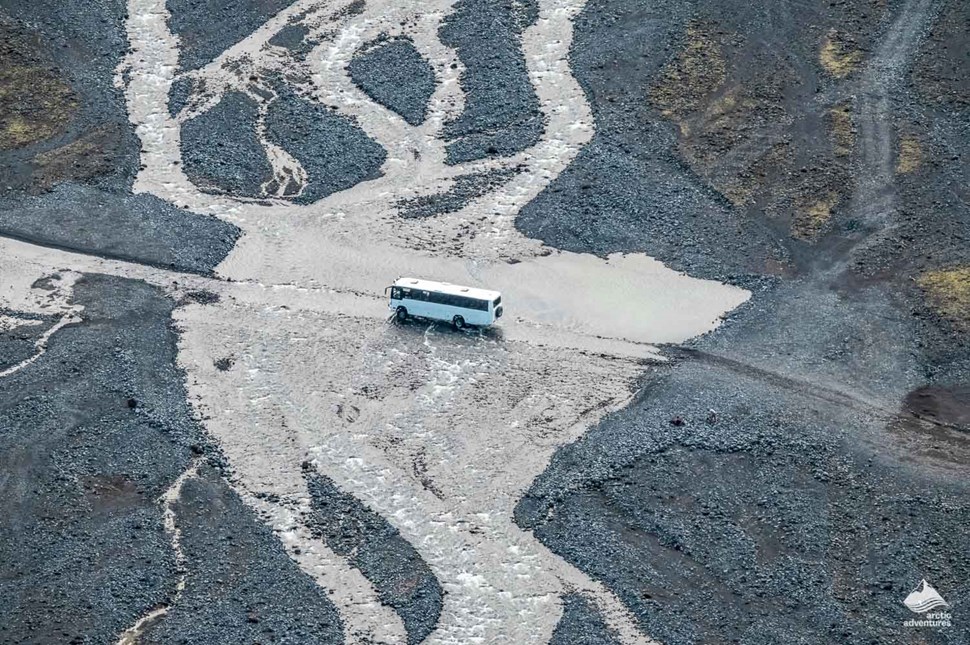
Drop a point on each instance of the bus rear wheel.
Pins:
(401, 314)
(459, 322)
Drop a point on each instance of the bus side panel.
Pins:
(445, 313)
(474, 316)
(479, 318)
(414, 307)
(442, 312)
(420, 308)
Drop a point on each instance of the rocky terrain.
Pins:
(730, 402)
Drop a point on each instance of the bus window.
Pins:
(444, 299)
(497, 301)
(396, 293)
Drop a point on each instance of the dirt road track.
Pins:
(874, 201)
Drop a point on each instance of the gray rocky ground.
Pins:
(465, 189)
(85, 550)
(401, 577)
(800, 505)
(207, 28)
(335, 153)
(581, 624)
(69, 170)
(236, 589)
(19, 334)
(788, 477)
(394, 74)
(84, 460)
(222, 151)
(501, 113)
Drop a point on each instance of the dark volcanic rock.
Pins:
(291, 37)
(940, 73)
(465, 189)
(581, 624)
(797, 516)
(402, 579)
(501, 113)
(70, 186)
(774, 526)
(220, 149)
(83, 551)
(139, 228)
(334, 151)
(241, 586)
(813, 505)
(722, 147)
(627, 190)
(393, 73)
(206, 28)
(179, 93)
(947, 406)
(20, 342)
(607, 201)
(295, 38)
(84, 42)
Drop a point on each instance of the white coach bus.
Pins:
(461, 306)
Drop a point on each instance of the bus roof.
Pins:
(444, 287)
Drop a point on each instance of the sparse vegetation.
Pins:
(910, 155)
(698, 71)
(843, 131)
(722, 120)
(85, 158)
(810, 221)
(729, 493)
(34, 105)
(837, 57)
(948, 290)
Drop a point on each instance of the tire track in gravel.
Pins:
(875, 196)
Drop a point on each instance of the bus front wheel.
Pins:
(459, 322)
(402, 314)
